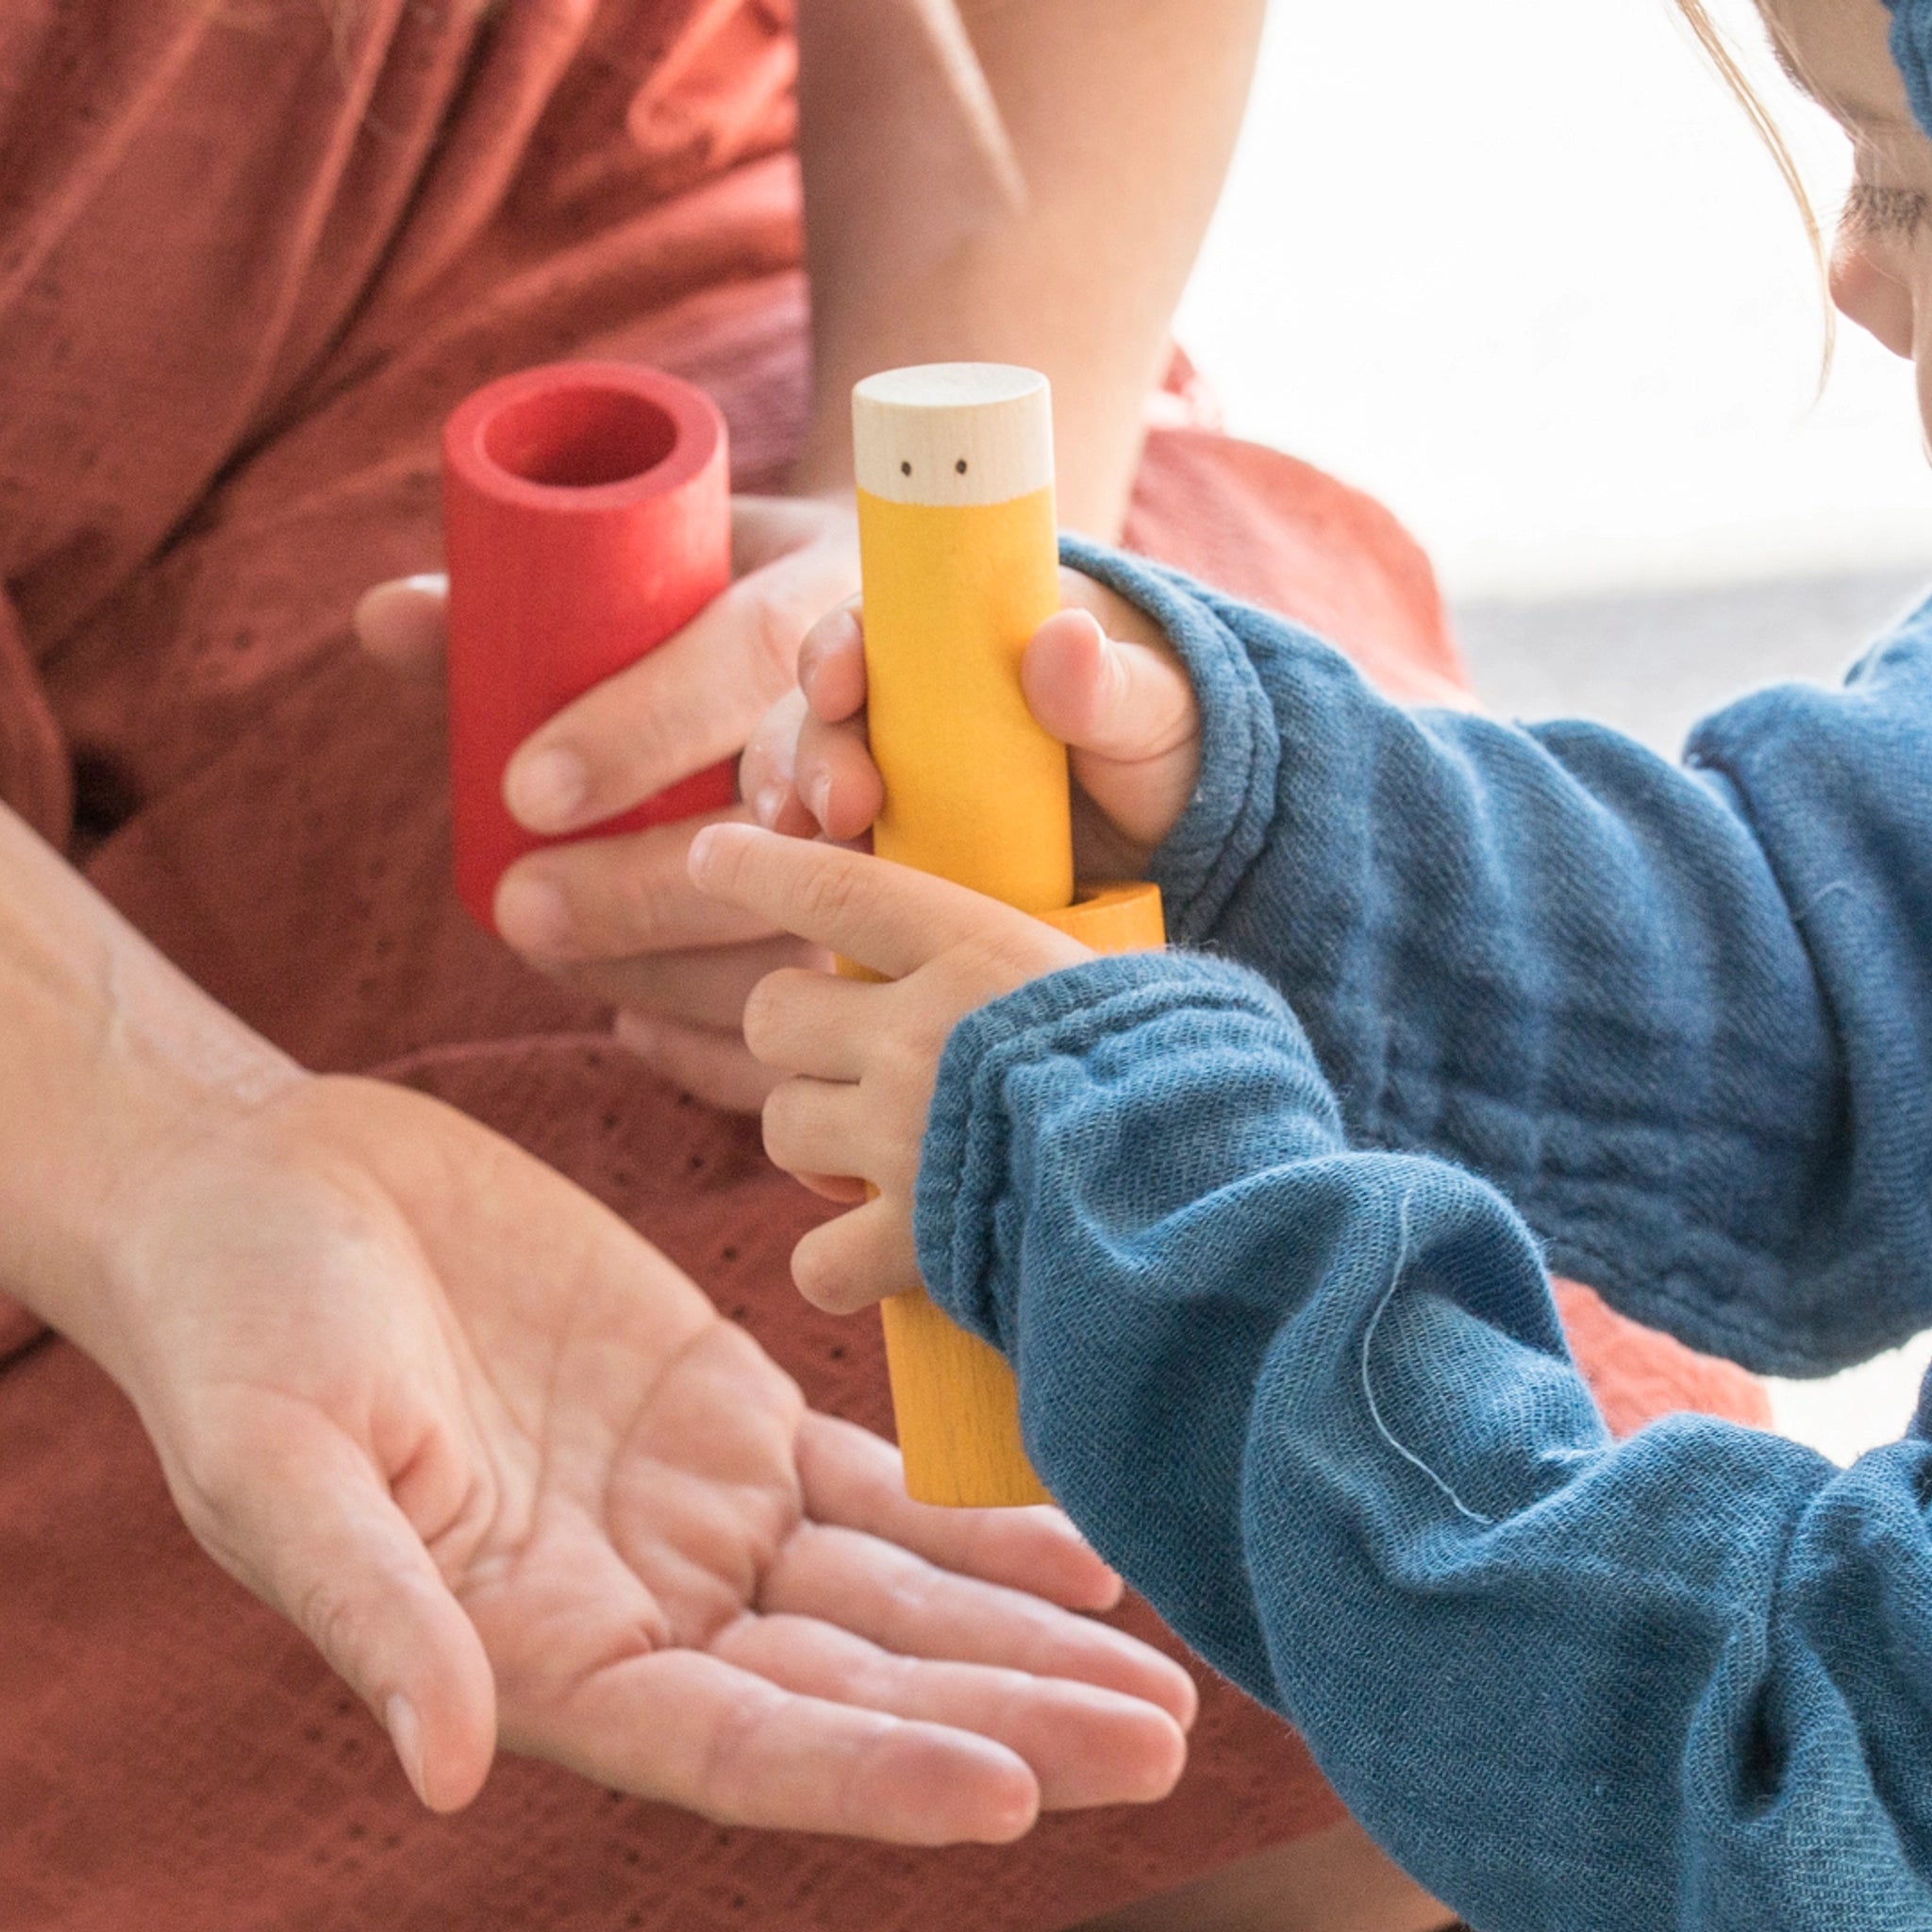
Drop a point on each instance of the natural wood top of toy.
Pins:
(952, 434)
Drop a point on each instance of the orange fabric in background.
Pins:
(248, 260)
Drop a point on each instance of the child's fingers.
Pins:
(705, 1060)
(831, 665)
(801, 775)
(1127, 714)
(810, 1023)
(820, 1128)
(836, 778)
(1100, 694)
(887, 917)
(858, 1260)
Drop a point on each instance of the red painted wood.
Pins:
(586, 518)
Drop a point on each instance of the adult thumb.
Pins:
(320, 1539)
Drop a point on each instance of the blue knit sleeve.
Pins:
(1682, 1015)
(1316, 1405)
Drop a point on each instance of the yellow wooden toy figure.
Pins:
(959, 564)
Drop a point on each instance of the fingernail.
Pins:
(405, 1734)
(821, 799)
(533, 915)
(769, 804)
(546, 790)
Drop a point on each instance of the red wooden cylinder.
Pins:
(586, 511)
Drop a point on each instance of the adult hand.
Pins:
(1099, 676)
(861, 1059)
(618, 917)
(517, 1479)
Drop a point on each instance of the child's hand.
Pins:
(1099, 676)
(863, 1057)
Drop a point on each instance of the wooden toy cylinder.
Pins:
(586, 518)
(958, 559)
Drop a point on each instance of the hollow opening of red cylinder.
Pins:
(576, 439)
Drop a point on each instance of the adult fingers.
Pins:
(714, 1066)
(606, 899)
(696, 985)
(1085, 1745)
(401, 623)
(861, 1258)
(855, 1479)
(313, 1529)
(692, 701)
(694, 1730)
(886, 917)
(894, 1598)
(765, 529)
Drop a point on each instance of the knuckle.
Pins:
(728, 1789)
(329, 1618)
(775, 627)
(830, 891)
(626, 913)
(208, 1486)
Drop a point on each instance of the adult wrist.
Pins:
(110, 1062)
(76, 1207)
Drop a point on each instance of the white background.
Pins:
(1523, 268)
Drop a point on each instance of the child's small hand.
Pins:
(1099, 676)
(863, 1057)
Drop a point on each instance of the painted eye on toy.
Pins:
(905, 469)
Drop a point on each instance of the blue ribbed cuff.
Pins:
(966, 1215)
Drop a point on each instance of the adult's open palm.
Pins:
(516, 1477)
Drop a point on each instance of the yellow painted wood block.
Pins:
(959, 567)
(974, 790)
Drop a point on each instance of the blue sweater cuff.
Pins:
(966, 1223)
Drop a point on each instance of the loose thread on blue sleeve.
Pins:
(1382, 1429)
